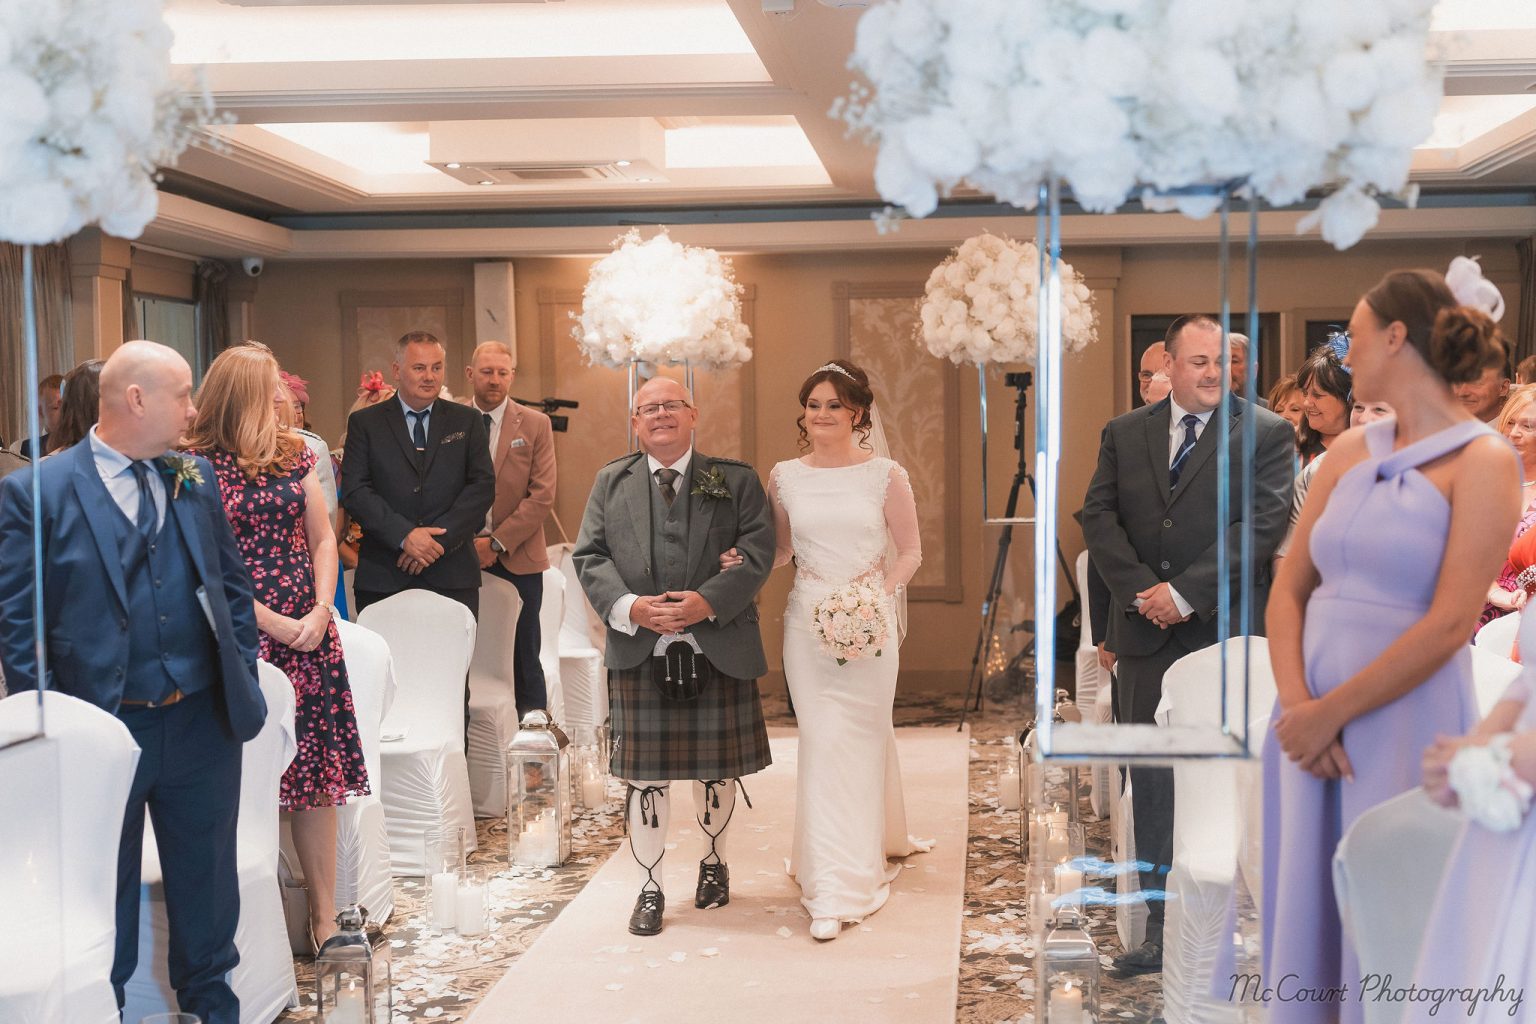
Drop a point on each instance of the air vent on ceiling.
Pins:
(569, 172)
(549, 173)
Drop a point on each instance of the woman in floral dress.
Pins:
(274, 502)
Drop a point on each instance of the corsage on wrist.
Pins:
(1490, 792)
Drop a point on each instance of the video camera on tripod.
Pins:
(548, 406)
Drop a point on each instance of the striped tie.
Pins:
(1190, 422)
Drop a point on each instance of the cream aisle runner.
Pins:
(754, 959)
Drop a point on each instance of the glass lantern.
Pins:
(538, 782)
(444, 858)
(1069, 972)
(353, 984)
(589, 775)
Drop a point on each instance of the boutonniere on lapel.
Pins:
(180, 469)
(711, 484)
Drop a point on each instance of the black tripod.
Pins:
(1021, 477)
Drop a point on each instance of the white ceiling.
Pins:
(362, 108)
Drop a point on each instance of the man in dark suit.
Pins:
(1150, 523)
(418, 480)
(148, 614)
(511, 545)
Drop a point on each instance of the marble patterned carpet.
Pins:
(441, 977)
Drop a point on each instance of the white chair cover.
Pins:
(583, 679)
(492, 699)
(63, 811)
(1208, 823)
(264, 979)
(1092, 691)
(1491, 675)
(1386, 871)
(425, 776)
(362, 843)
(1498, 637)
(551, 615)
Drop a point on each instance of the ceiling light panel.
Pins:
(211, 32)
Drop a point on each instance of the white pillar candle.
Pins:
(444, 884)
(350, 1007)
(1008, 789)
(592, 791)
(470, 909)
(1066, 1005)
(1068, 881)
(1057, 845)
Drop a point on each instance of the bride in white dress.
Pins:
(844, 513)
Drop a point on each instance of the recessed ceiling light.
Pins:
(487, 182)
(645, 179)
(621, 163)
(453, 166)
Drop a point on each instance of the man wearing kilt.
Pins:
(684, 652)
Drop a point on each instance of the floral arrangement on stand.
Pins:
(981, 305)
(91, 111)
(658, 301)
(851, 622)
(1117, 97)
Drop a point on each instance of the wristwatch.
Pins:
(498, 547)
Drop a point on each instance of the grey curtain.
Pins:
(1525, 332)
(210, 295)
(55, 329)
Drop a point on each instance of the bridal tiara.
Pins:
(836, 369)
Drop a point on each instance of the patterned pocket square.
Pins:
(518, 442)
(453, 437)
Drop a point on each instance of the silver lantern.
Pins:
(539, 791)
(353, 983)
(1069, 973)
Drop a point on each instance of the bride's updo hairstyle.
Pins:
(1457, 341)
(852, 386)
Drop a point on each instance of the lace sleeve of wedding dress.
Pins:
(901, 521)
(783, 541)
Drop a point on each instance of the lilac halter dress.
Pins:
(1377, 547)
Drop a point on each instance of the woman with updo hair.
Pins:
(1407, 521)
(80, 407)
(845, 515)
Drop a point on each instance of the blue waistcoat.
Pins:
(170, 645)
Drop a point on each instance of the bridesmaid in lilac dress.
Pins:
(1403, 529)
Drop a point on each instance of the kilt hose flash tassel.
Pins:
(714, 888)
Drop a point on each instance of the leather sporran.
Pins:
(678, 668)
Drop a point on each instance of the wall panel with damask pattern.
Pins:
(919, 401)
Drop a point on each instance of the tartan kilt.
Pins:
(718, 735)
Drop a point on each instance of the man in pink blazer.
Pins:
(511, 545)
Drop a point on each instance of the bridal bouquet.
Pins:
(981, 306)
(658, 301)
(1119, 96)
(851, 623)
(91, 111)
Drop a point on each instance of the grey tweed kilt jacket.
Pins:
(614, 556)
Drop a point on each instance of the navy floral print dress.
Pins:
(267, 515)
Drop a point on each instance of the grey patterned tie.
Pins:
(666, 479)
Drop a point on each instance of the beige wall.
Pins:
(298, 312)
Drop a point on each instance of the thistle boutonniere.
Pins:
(711, 484)
(181, 469)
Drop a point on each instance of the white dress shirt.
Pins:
(116, 472)
(618, 615)
(1176, 415)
